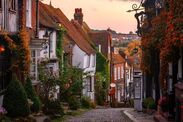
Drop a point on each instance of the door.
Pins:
(5, 73)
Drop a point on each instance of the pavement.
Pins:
(136, 116)
(113, 115)
(101, 115)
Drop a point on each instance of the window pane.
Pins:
(33, 53)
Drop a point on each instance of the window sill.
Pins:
(12, 11)
(29, 27)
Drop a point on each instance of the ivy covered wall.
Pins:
(102, 78)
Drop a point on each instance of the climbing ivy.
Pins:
(102, 78)
(18, 45)
(59, 48)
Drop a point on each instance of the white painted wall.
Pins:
(85, 92)
(78, 57)
(53, 38)
(44, 52)
(12, 25)
(88, 64)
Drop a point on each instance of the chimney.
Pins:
(78, 15)
(50, 3)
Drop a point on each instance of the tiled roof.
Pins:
(117, 58)
(98, 36)
(83, 30)
(58, 16)
(102, 38)
(45, 19)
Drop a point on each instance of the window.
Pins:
(92, 58)
(33, 67)
(109, 49)
(89, 84)
(115, 73)
(86, 61)
(99, 48)
(119, 73)
(28, 13)
(12, 5)
(122, 71)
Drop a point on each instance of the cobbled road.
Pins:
(101, 115)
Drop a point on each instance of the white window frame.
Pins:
(29, 13)
(122, 71)
(115, 73)
(99, 48)
(119, 73)
(34, 65)
(89, 84)
(109, 49)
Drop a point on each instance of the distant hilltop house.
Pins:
(122, 39)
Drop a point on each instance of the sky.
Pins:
(101, 14)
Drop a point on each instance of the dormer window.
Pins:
(12, 5)
(29, 13)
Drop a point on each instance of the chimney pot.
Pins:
(78, 15)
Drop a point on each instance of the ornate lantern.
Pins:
(151, 8)
(2, 48)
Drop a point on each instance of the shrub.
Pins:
(73, 103)
(15, 99)
(86, 102)
(93, 105)
(36, 106)
(149, 103)
(53, 107)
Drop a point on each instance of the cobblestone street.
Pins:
(101, 115)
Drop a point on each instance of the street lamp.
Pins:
(139, 17)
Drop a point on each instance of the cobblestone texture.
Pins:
(101, 115)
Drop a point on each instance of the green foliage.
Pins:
(15, 99)
(101, 87)
(49, 82)
(53, 107)
(101, 62)
(93, 105)
(149, 103)
(36, 106)
(102, 79)
(59, 49)
(71, 82)
(85, 102)
(74, 103)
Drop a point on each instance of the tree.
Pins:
(131, 46)
(36, 106)
(15, 99)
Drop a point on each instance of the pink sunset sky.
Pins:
(101, 14)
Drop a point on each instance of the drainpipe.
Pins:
(37, 18)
